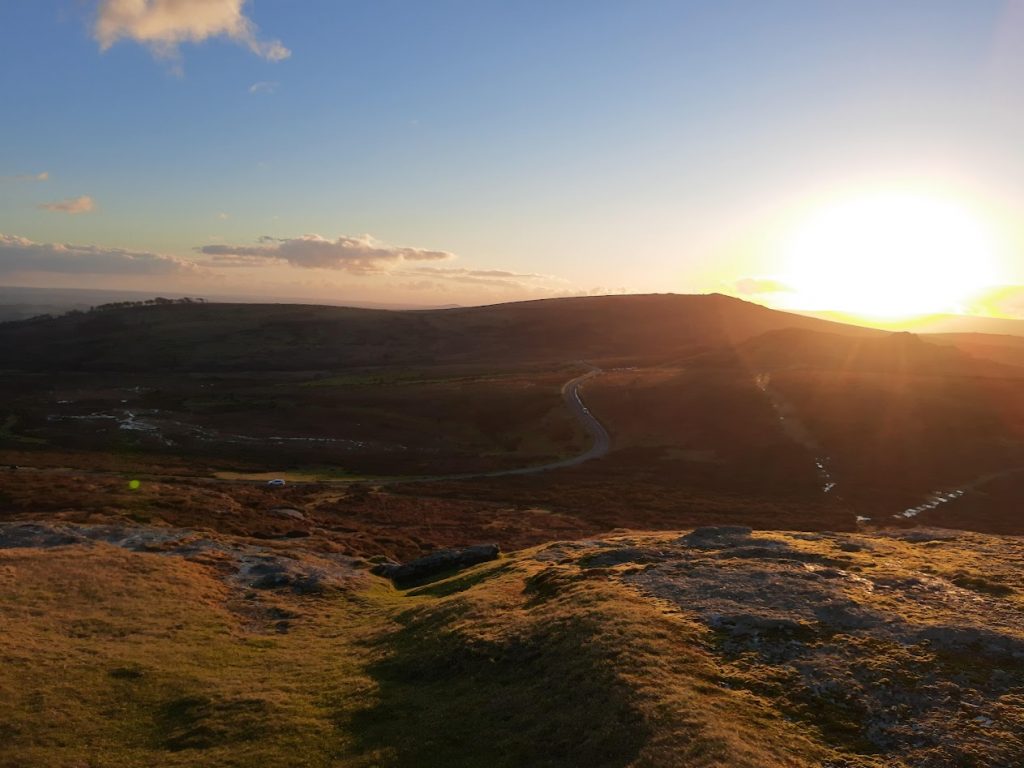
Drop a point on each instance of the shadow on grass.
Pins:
(547, 697)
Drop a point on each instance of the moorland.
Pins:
(166, 606)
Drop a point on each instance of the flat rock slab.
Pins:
(442, 561)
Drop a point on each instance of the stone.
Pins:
(436, 563)
(717, 537)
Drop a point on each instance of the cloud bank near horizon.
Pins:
(20, 255)
(388, 268)
(163, 25)
(358, 255)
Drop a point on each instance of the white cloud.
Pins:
(222, 216)
(263, 86)
(452, 272)
(44, 176)
(83, 204)
(21, 255)
(361, 255)
(163, 25)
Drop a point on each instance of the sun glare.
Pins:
(890, 255)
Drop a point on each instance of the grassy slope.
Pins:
(542, 658)
(113, 658)
(116, 659)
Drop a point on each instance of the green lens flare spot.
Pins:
(134, 484)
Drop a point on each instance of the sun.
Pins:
(890, 255)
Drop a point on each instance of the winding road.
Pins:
(601, 441)
(599, 435)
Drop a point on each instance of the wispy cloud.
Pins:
(492, 278)
(21, 255)
(163, 25)
(83, 204)
(450, 272)
(264, 86)
(44, 176)
(361, 255)
(230, 261)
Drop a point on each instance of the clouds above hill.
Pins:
(310, 265)
(359, 255)
(163, 25)
(21, 255)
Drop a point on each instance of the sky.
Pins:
(472, 151)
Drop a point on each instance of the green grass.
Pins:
(113, 658)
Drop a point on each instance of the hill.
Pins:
(935, 324)
(899, 353)
(1005, 349)
(224, 337)
(896, 420)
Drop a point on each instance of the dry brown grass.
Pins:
(118, 658)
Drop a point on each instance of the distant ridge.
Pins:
(23, 302)
(899, 353)
(937, 324)
(655, 327)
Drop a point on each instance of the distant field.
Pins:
(383, 422)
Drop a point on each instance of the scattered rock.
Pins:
(921, 536)
(40, 536)
(749, 624)
(275, 572)
(287, 512)
(717, 537)
(621, 556)
(995, 646)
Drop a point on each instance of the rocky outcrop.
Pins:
(907, 643)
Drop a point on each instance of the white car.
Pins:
(277, 482)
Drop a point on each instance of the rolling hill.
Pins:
(212, 337)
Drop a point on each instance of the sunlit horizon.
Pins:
(862, 161)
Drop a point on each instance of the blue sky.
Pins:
(416, 152)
